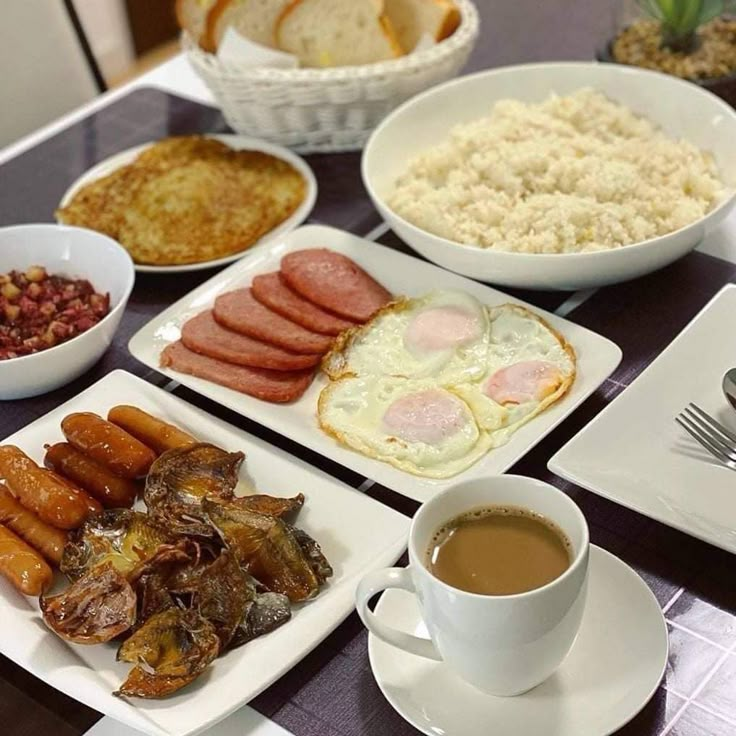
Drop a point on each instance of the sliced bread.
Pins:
(413, 18)
(192, 17)
(325, 33)
(253, 19)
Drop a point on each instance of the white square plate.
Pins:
(635, 454)
(356, 533)
(400, 274)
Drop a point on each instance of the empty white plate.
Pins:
(614, 668)
(635, 454)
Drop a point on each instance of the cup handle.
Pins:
(375, 582)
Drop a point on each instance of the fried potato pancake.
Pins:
(189, 200)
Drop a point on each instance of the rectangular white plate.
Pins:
(357, 534)
(635, 454)
(400, 274)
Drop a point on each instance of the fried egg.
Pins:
(443, 335)
(414, 425)
(431, 384)
(529, 367)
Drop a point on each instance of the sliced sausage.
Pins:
(111, 490)
(334, 282)
(151, 431)
(240, 311)
(107, 444)
(204, 335)
(271, 290)
(55, 501)
(275, 386)
(22, 565)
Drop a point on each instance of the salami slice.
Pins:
(240, 311)
(272, 291)
(204, 335)
(275, 386)
(332, 281)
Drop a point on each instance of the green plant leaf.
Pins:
(713, 8)
(681, 18)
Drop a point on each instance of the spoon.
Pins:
(729, 386)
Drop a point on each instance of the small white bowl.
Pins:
(681, 109)
(75, 253)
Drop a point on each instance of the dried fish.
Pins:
(263, 615)
(169, 651)
(223, 595)
(121, 537)
(266, 547)
(96, 608)
(269, 505)
(312, 550)
(181, 478)
(152, 595)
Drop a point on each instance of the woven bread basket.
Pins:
(334, 109)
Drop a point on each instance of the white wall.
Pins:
(106, 26)
(43, 73)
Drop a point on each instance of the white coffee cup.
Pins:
(501, 644)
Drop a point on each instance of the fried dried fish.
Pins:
(312, 550)
(152, 595)
(267, 549)
(265, 613)
(96, 608)
(121, 537)
(270, 505)
(152, 577)
(169, 651)
(223, 595)
(181, 478)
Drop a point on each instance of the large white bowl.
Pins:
(75, 253)
(681, 109)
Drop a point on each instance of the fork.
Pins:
(711, 434)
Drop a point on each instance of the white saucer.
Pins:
(614, 668)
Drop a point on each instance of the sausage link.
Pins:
(151, 431)
(22, 565)
(55, 501)
(46, 539)
(108, 445)
(111, 490)
(93, 505)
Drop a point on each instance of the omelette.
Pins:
(431, 384)
(187, 200)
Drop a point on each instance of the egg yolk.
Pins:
(428, 416)
(520, 383)
(441, 328)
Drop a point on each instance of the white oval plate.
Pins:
(238, 142)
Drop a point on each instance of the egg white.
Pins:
(517, 335)
(381, 347)
(352, 409)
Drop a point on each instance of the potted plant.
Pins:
(692, 39)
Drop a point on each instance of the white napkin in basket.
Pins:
(235, 48)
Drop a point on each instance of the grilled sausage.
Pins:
(152, 432)
(56, 501)
(111, 490)
(22, 565)
(46, 539)
(108, 445)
